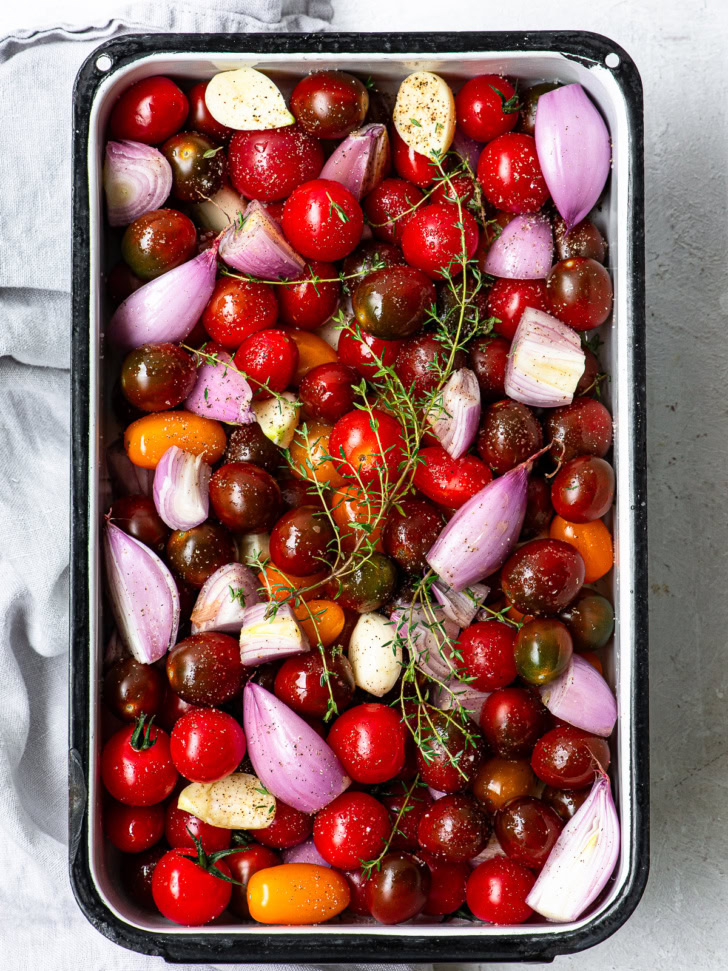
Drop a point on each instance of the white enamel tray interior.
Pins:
(388, 70)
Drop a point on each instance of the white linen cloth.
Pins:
(41, 926)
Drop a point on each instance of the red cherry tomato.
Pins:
(370, 741)
(460, 186)
(136, 765)
(352, 828)
(137, 870)
(390, 206)
(419, 801)
(186, 893)
(327, 392)
(509, 171)
(289, 828)
(512, 719)
(269, 360)
(360, 353)
(447, 481)
(243, 865)
(433, 241)
(569, 758)
(322, 220)
(447, 889)
(488, 358)
(486, 107)
(359, 449)
(149, 111)
(409, 164)
(508, 299)
(173, 707)
(357, 880)
(133, 829)
(199, 119)
(237, 309)
(207, 745)
(179, 824)
(497, 891)
(487, 654)
(269, 165)
(308, 305)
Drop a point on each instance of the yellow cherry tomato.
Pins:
(307, 453)
(326, 623)
(297, 893)
(312, 351)
(594, 542)
(278, 584)
(148, 438)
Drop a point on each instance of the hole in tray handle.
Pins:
(612, 60)
(103, 63)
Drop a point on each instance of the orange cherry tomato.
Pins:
(312, 351)
(148, 438)
(307, 453)
(594, 542)
(350, 505)
(592, 658)
(278, 584)
(297, 893)
(326, 624)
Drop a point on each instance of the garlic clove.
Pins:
(375, 654)
(424, 113)
(247, 100)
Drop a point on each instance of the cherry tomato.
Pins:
(297, 893)
(243, 865)
(329, 104)
(488, 359)
(360, 450)
(205, 669)
(289, 828)
(370, 742)
(137, 870)
(173, 707)
(486, 649)
(447, 884)
(410, 532)
(324, 628)
(509, 434)
(312, 351)
(365, 353)
(539, 510)
(309, 304)
(199, 119)
(454, 828)
(398, 889)
(268, 358)
(530, 104)
(497, 891)
(512, 720)
(155, 377)
(244, 497)
(179, 824)
(393, 302)
(542, 650)
(390, 206)
(322, 220)
(301, 684)
(133, 829)
(500, 780)
(590, 619)
(418, 361)
(350, 504)
(132, 689)
(367, 587)
(565, 802)
(136, 766)
(589, 380)
(237, 309)
(433, 239)
(416, 805)
(268, 165)
(352, 828)
(582, 428)
(158, 241)
(370, 255)
(309, 455)
(149, 111)
(186, 893)
(278, 585)
(579, 292)
(247, 443)
(507, 299)
(447, 760)
(121, 283)
(327, 392)
(301, 541)
(527, 829)
(447, 481)
(486, 106)
(358, 880)
(148, 438)
(543, 576)
(207, 745)
(583, 489)
(198, 166)
(459, 186)
(409, 164)
(582, 240)
(509, 171)
(592, 542)
(569, 758)
(194, 554)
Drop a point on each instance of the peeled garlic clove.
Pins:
(278, 418)
(240, 801)
(424, 113)
(246, 100)
(374, 656)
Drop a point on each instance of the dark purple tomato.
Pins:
(509, 434)
(542, 650)
(138, 516)
(327, 392)
(270, 164)
(371, 255)
(512, 720)
(565, 802)
(132, 689)
(198, 165)
(358, 880)
(580, 292)
(410, 531)
(205, 669)
(199, 119)
(298, 492)
(369, 585)
(500, 780)
(584, 240)
(301, 541)
(155, 377)
(420, 363)
(539, 511)
(398, 890)
(393, 302)
(590, 619)
(137, 870)
(450, 298)
(158, 241)
(590, 376)
(194, 554)
(244, 497)
(454, 828)
(569, 758)
(415, 806)
(247, 443)
(447, 759)
(172, 709)
(583, 489)
(149, 111)
(303, 683)
(121, 283)
(488, 358)
(543, 576)
(529, 103)
(242, 867)
(329, 104)
(582, 428)
(527, 829)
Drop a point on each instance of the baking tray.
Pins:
(612, 79)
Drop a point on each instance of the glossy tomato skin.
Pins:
(582, 428)
(242, 867)
(322, 220)
(172, 707)
(138, 777)
(370, 740)
(179, 824)
(205, 669)
(329, 104)
(237, 309)
(399, 889)
(357, 448)
(289, 828)
(450, 482)
(187, 894)
(307, 304)
(149, 111)
(527, 829)
(269, 165)
(369, 255)
(247, 443)
(352, 828)
(590, 620)
(486, 649)
(300, 682)
(207, 745)
(580, 292)
(194, 554)
(433, 241)
(199, 118)
(390, 206)
(365, 354)
(459, 186)
(509, 434)
(300, 542)
(497, 891)
(539, 511)
(500, 780)
(157, 241)
(452, 759)
(510, 174)
(327, 392)
(512, 720)
(269, 359)
(454, 828)
(480, 109)
(369, 586)
(583, 240)
(569, 758)
(394, 302)
(583, 489)
(530, 105)
(543, 650)
(409, 164)
(565, 802)
(244, 497)
(155, 377)
(197, 172)
(137, 870)
(543, 576)
(507, 299)
(410, 532)
(418, 361)
(488, 359)
(132, 689)
(358, 880)
(447, 884)
(419, 801)
(133, 829)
